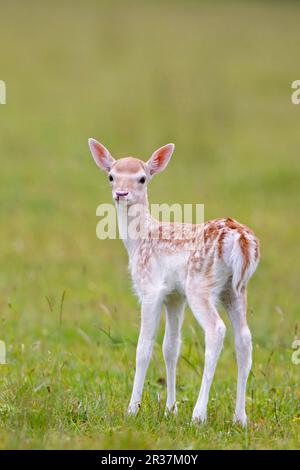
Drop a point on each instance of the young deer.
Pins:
(211, 263)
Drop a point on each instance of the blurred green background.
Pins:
(213, 77)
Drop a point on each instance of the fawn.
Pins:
(211, 263)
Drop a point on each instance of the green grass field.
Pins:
(213, 77)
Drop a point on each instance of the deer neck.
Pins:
(133, 222)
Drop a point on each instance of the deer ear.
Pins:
(101, 155)
(160, 158)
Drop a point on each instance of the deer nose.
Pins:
(121, 193)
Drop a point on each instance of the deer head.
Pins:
(130, 176)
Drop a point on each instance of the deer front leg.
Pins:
(171, 348)
(151, 312)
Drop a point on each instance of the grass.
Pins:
(213, 77)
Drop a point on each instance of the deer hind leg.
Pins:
(171, 347)
(236, 305)
(214, 329)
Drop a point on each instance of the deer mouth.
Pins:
(121, 195)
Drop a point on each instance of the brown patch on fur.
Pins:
(232, 224)
(210, 232)
(220, 242)
(243, 240)
(210, 229)
(244, 244)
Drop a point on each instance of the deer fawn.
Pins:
(211, 263)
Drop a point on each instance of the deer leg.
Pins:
(151, 312)
(236, 305)
(171, 348)
(214, 330)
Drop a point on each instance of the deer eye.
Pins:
(110, 178)
(142, 180)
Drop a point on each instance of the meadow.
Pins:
(213, 77)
